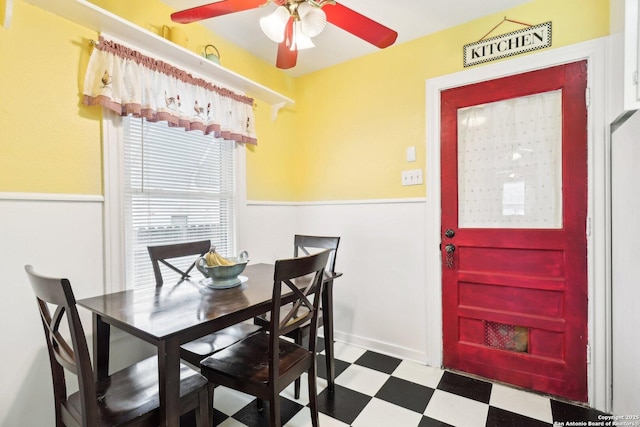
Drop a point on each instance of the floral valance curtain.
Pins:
(130, 83)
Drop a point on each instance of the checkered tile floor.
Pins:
(374, 390)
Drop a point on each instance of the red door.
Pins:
(514, 205)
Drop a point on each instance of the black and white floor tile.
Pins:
(374, 390)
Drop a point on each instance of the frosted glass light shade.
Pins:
(273, 25)
(300, 40)
(312, 19)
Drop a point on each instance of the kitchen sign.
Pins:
(510, 44)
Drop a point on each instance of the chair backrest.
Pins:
(160, 254)
(288, 272)
(305, 245)
(56, 295)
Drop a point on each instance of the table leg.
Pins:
(101, 344)
(327, 323)
(169, 382)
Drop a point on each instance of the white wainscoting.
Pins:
(380, 302)
(60, 235)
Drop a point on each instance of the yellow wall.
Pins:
(268, 164)
(49, 143)
(345, 138)
(356, 119)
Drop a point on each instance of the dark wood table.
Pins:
(172, 315)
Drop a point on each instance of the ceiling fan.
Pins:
(295, 22)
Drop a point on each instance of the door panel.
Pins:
(514, 193)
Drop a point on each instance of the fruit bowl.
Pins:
(223, 276)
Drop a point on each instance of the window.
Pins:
(176, 186)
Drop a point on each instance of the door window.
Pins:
(510, 163)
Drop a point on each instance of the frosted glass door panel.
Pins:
(510, 163)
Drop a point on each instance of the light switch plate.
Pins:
(412, 177)
(411, 154)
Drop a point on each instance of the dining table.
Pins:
(171, 315)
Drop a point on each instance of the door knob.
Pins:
(450, 248)
(449, 233)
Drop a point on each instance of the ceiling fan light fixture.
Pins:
(293, 22)
(300, 40)
(312, 19)
(273, 25)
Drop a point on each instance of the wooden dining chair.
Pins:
(186, 254)
(128, 397)
(162, 253)
(263, 364)
(194, 351)
(306, 245)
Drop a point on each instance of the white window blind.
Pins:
(179, 186)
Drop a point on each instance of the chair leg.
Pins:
(203, 412)
(327, 324)
(329, 362)
(296, 386)
(259, 402)
(274, 410)
(210, 388)
(313, 397)
(296, 389)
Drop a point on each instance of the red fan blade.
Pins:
(359, 25)
(211, 10)
(287, 57)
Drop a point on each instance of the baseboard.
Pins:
(381, 347)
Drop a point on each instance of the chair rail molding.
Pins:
(53, 197)
(337, 202)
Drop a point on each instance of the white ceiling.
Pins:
(412, 19)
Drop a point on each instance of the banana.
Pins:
(215, 259)
(222, 260)
(210, 259)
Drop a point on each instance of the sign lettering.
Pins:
(510, 44)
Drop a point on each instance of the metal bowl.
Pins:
(223, 276)
(223, 272)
